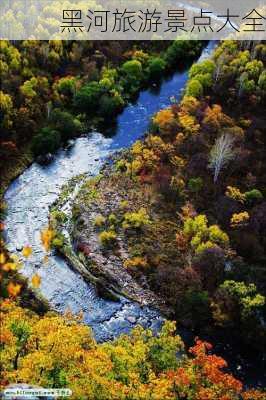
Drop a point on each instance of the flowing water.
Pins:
(30, 195)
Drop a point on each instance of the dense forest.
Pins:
(53, 91)
(182, 213)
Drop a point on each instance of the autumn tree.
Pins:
(6, 109)
(59, 351)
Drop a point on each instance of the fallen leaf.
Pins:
(46, 237)
(13, 289)
(2, 258)
(45, 259)
(27, 251)
(9, 267)
(14, 257)
(36, 280)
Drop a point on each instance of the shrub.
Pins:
(235, 194)
(239, 219)
(47, 141)
(121, 165)
(123, 204)
(59, 216)
(112, 219)
(253, 195)
(107, 238)
(195, 184)
(136, 219)
(58, 241)
(99, 221)
(136, 262)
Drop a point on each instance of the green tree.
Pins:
(195, 184)
(66, 85)
(87, 98)
(262, 82)
(195, 307)
(181, 50)
(194, 88)
(156, 68)
(253, 195)
(133, 70)
(6, 109)
(110, 105)
(65, 123)
(254, 68)
(28, 89)
(238, 306)
(46, 141)
(203, 72)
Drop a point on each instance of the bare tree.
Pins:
(219, 66)
(49, 109)
(221, 153)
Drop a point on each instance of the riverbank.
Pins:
(76, 237)
(14, 169)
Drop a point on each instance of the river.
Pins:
(30, 195)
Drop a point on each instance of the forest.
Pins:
(50, 91)
(174, 221)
